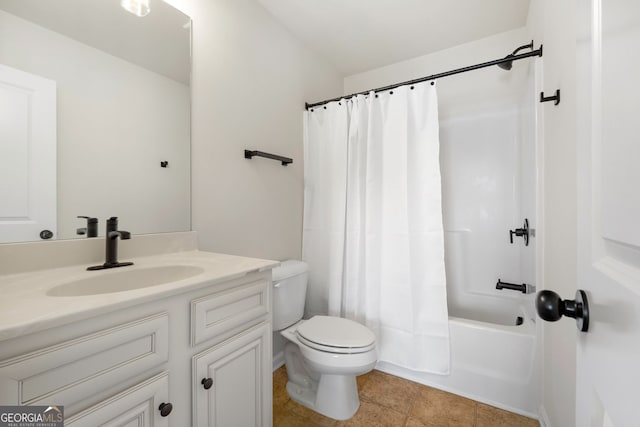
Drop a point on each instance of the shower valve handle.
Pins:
(521, 232)
(518, 232)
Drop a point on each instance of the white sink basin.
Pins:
(121, 279)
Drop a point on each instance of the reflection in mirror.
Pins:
(117, 113)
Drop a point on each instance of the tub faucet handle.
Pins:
(91, 230)
(521, 232)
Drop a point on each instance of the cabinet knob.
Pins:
(207, 383)
(165, 409)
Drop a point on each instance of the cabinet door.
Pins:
(238, 373)
(137, 406)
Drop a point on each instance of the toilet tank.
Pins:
(289, 292)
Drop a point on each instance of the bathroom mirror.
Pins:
(121, 110)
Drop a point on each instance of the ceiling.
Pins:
(360, 35)
(159, 42)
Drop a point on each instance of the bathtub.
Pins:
(493, 360)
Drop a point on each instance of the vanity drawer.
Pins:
(226, 313)
(67, 373)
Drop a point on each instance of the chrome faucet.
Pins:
(111, 250)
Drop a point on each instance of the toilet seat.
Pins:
(335, 335)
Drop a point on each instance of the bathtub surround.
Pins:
(373, 233)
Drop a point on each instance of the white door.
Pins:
(608, 146)
(27, 156)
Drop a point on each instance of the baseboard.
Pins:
(543, 418)
(278, 360)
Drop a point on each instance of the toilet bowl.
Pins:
(324, 354)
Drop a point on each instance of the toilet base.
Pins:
(336, 396)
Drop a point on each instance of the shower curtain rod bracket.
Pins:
(508, 58)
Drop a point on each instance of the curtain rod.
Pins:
(508, 58)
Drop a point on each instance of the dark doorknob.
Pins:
(207, 383)
(551, 307)
(165, 409)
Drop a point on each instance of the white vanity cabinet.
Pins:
(230, 381)
(144, 365)
(231, 384)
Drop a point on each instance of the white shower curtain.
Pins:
(373, 234)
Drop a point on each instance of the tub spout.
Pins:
(524, 288)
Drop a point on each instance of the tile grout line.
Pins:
(475, 414)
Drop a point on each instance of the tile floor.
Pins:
(386, 400)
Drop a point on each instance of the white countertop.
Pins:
(25, 306)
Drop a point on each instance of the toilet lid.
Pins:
(335, 334)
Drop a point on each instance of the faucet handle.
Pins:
(521, 232)
(112, 224)
(91, 230)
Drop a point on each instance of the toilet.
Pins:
(323, 355)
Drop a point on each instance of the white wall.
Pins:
(250, 81)
(116, 122)
(553, 23)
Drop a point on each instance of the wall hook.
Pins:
(164, 164)
(555, 97)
